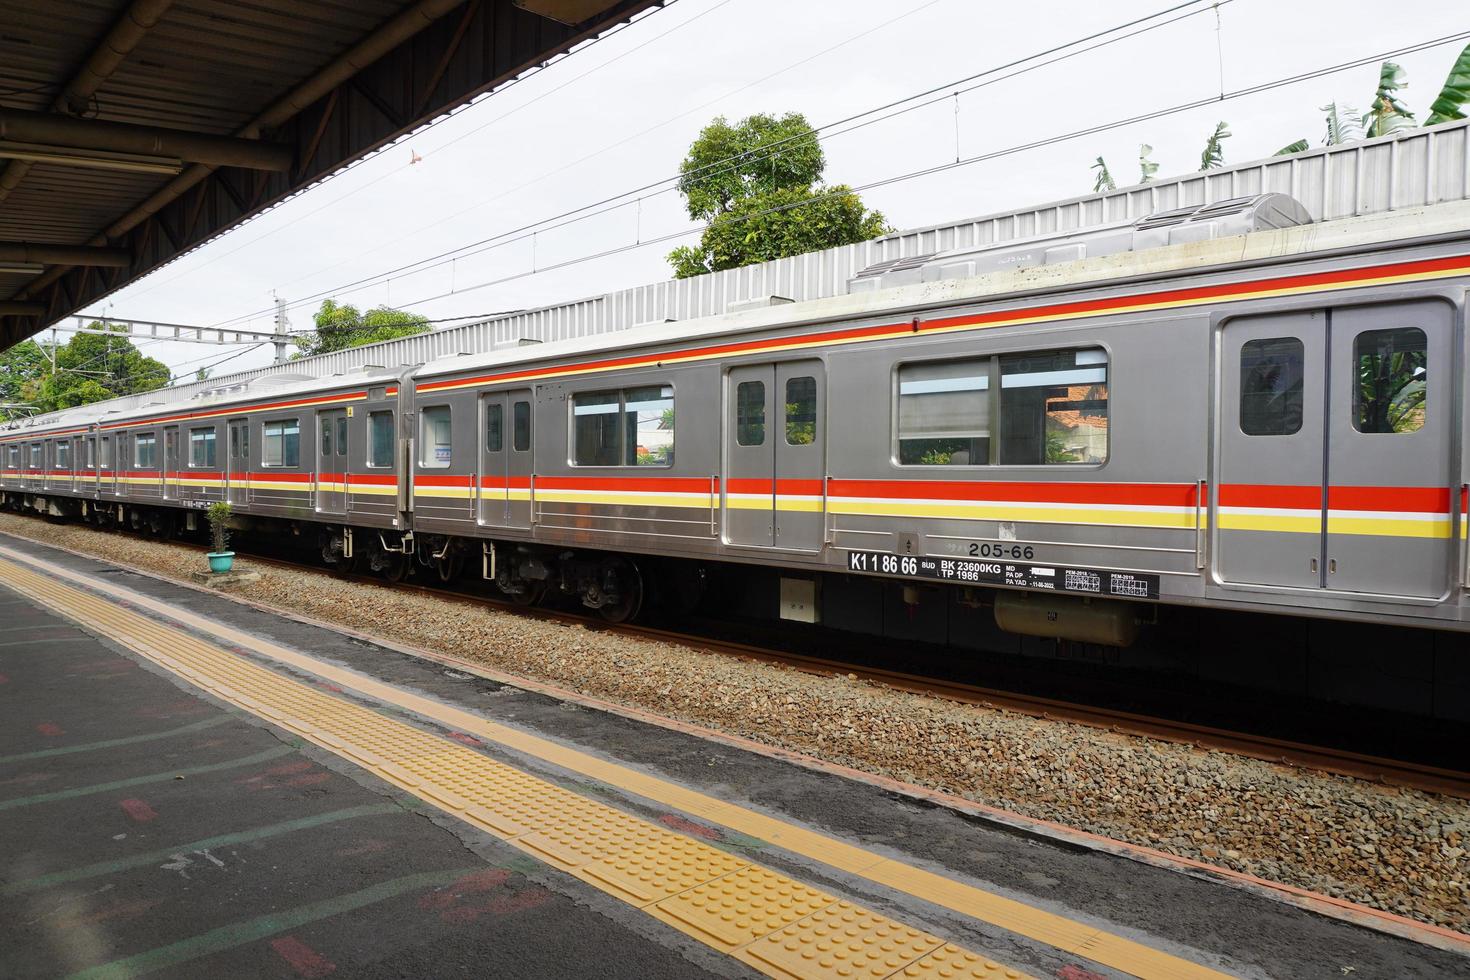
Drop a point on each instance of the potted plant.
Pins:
(220, 560)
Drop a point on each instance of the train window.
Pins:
(435, 431)
(595, 428)
(36, 455)
(145, 451)
(104, 452)
(801, 411)
(944, 413)
(341, 435)
(201, 447)
(1271, 386)
(281, 443)
(522, 422)
(12, 457)
(326, 436)
(632, 427)
(1054, 407)
(380, 439)
(1391, 382)
(750, 413)
(63, 455)
(494, 427)
(91, 452)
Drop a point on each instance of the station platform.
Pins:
(191, 785)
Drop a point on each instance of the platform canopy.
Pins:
(133, 131)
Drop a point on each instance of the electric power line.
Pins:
(669, 183)
(980, 158)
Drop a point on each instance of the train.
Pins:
(1229, 406)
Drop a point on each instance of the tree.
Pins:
(1454, 94)
(1104, 180)
(94, 367)
(22, 369)
(340, 327)
(1214, 152)
(757, 186)
(1146, 167)
(1386, 114)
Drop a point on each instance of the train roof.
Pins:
(1273, 244)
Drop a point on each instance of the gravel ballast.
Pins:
(1401, 851)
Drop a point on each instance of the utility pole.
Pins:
(282, 337)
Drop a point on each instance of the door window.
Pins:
(494, 427)
(522, 426)
(1271, 373)
(341, 435)
(326, 437)
(1391, 380)
(801, 411)
(750, 413)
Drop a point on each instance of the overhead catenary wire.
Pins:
(617, 29)
(1091, 42)
(982, 157)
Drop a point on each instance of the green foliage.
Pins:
(1104, 180)
(776, 224)
(1299, 146)
(1456, 92)
(1146, 167)
(91, 367)
(757, 184)
(219, 525)
(1342, 125)
(21, 369)
(1386, 114)
(1214, 152)
(340, 327)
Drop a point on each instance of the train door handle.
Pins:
(1314, 564)
(1331, 566)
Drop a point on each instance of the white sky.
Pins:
(555, 140)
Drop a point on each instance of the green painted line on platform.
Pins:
(157, 777)
(114, 742)
(222, 840)
(250, 930)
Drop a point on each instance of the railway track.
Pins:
(1357, 765)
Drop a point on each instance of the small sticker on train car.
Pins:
(1053, 578)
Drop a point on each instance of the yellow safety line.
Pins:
(769, 921)
(1046, 927)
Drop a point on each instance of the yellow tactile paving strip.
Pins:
(1056, 930)
(769, 921)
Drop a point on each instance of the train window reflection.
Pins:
(1391, 380)
(201, 447)
(63, 455)
(1054, 407)
(522, 427)
(494, 427)
(632, 427)
(380, 439)
(281, 443)
(944, 413)
(435, 435)
(1271, 386)
(750, 413)
(145, 451)
(801, 411)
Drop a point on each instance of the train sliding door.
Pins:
(505, 459)
(331, 462)
(1333, 450)
(238, 474)
(774, 456)
(171, 463)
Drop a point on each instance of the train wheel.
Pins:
(449, 566)
(343, 567)
(396, 567)
(627, 584)
(532, 595)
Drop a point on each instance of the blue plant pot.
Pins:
(220, 561)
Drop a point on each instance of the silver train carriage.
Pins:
(1263, 416)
